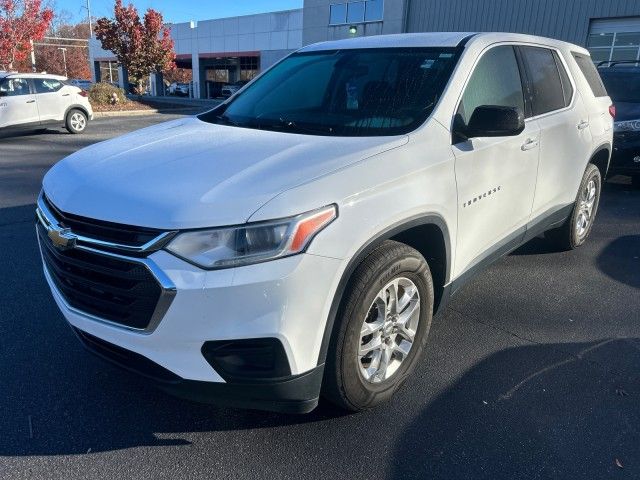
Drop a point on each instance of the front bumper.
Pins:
(292, 394)
(287, 299)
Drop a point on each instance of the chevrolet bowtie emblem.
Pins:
(62, 238)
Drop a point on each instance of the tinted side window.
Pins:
(10, 87)
(547, 94)
(567, 88)
(494, 81)
(591, 74)
(46, 85)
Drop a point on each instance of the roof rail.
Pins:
(611, 63)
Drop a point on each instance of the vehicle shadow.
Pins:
(26, 133)
(531, 412)
(620, 260)
(57, 398)
(23, 213)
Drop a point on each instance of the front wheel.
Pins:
(76, 121)
(575, 231)
(381, 327)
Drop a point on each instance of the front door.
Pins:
(52, 98)
(17, 103)
(495, 176)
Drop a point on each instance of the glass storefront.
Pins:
(223, 71)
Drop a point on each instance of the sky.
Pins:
(179, 10)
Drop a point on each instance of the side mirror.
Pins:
(494, 121)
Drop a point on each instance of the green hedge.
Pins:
(101, 93)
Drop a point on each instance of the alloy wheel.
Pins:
(78, 122)
(389, 329)
(585, 208)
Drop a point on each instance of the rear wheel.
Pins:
(576, 229)
(76, 121)
(381, 328)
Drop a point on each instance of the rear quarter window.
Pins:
(591, 74)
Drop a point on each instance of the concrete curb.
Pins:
(125, 113)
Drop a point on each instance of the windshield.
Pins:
(622, 86)
(368, 92)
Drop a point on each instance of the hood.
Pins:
(627, 111)
(189, 174)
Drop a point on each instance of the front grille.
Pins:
(111, 288)
(102, 230)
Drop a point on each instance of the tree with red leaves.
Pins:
(21, 21)
(49, 57)
(141, 46)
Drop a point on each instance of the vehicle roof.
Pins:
(31, 75)
(435, 39)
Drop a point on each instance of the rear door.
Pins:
(496, 176)
(53, 98)
(597, 100)
(565, 139)
(17, 103)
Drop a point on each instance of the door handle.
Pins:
(30, 101)
(529, 144)
(583, 124)
(66, 94)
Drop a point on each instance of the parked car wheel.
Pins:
(575, 231)
(381, 327)
(76, 121)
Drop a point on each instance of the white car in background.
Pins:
(31, 99)
(232, 88)
(180, 89)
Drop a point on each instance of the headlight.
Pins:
(253, 242)
(627, 126)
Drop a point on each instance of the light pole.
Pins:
(64, 59)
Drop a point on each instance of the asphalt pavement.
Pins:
(531, 372)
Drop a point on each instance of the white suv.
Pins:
(30, 99)
(297, 239)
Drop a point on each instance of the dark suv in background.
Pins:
(622, 81)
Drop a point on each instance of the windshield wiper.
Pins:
(292, 126)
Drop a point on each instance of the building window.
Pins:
(616, 46)
(248, 68)
(109, 72)
(374, 11)
(338, 14)
(356, 12)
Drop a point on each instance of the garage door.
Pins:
(614, 39)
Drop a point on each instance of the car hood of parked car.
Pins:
(188, 173)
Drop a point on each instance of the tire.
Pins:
(76, 121)
(350, 380)
(576, 229)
